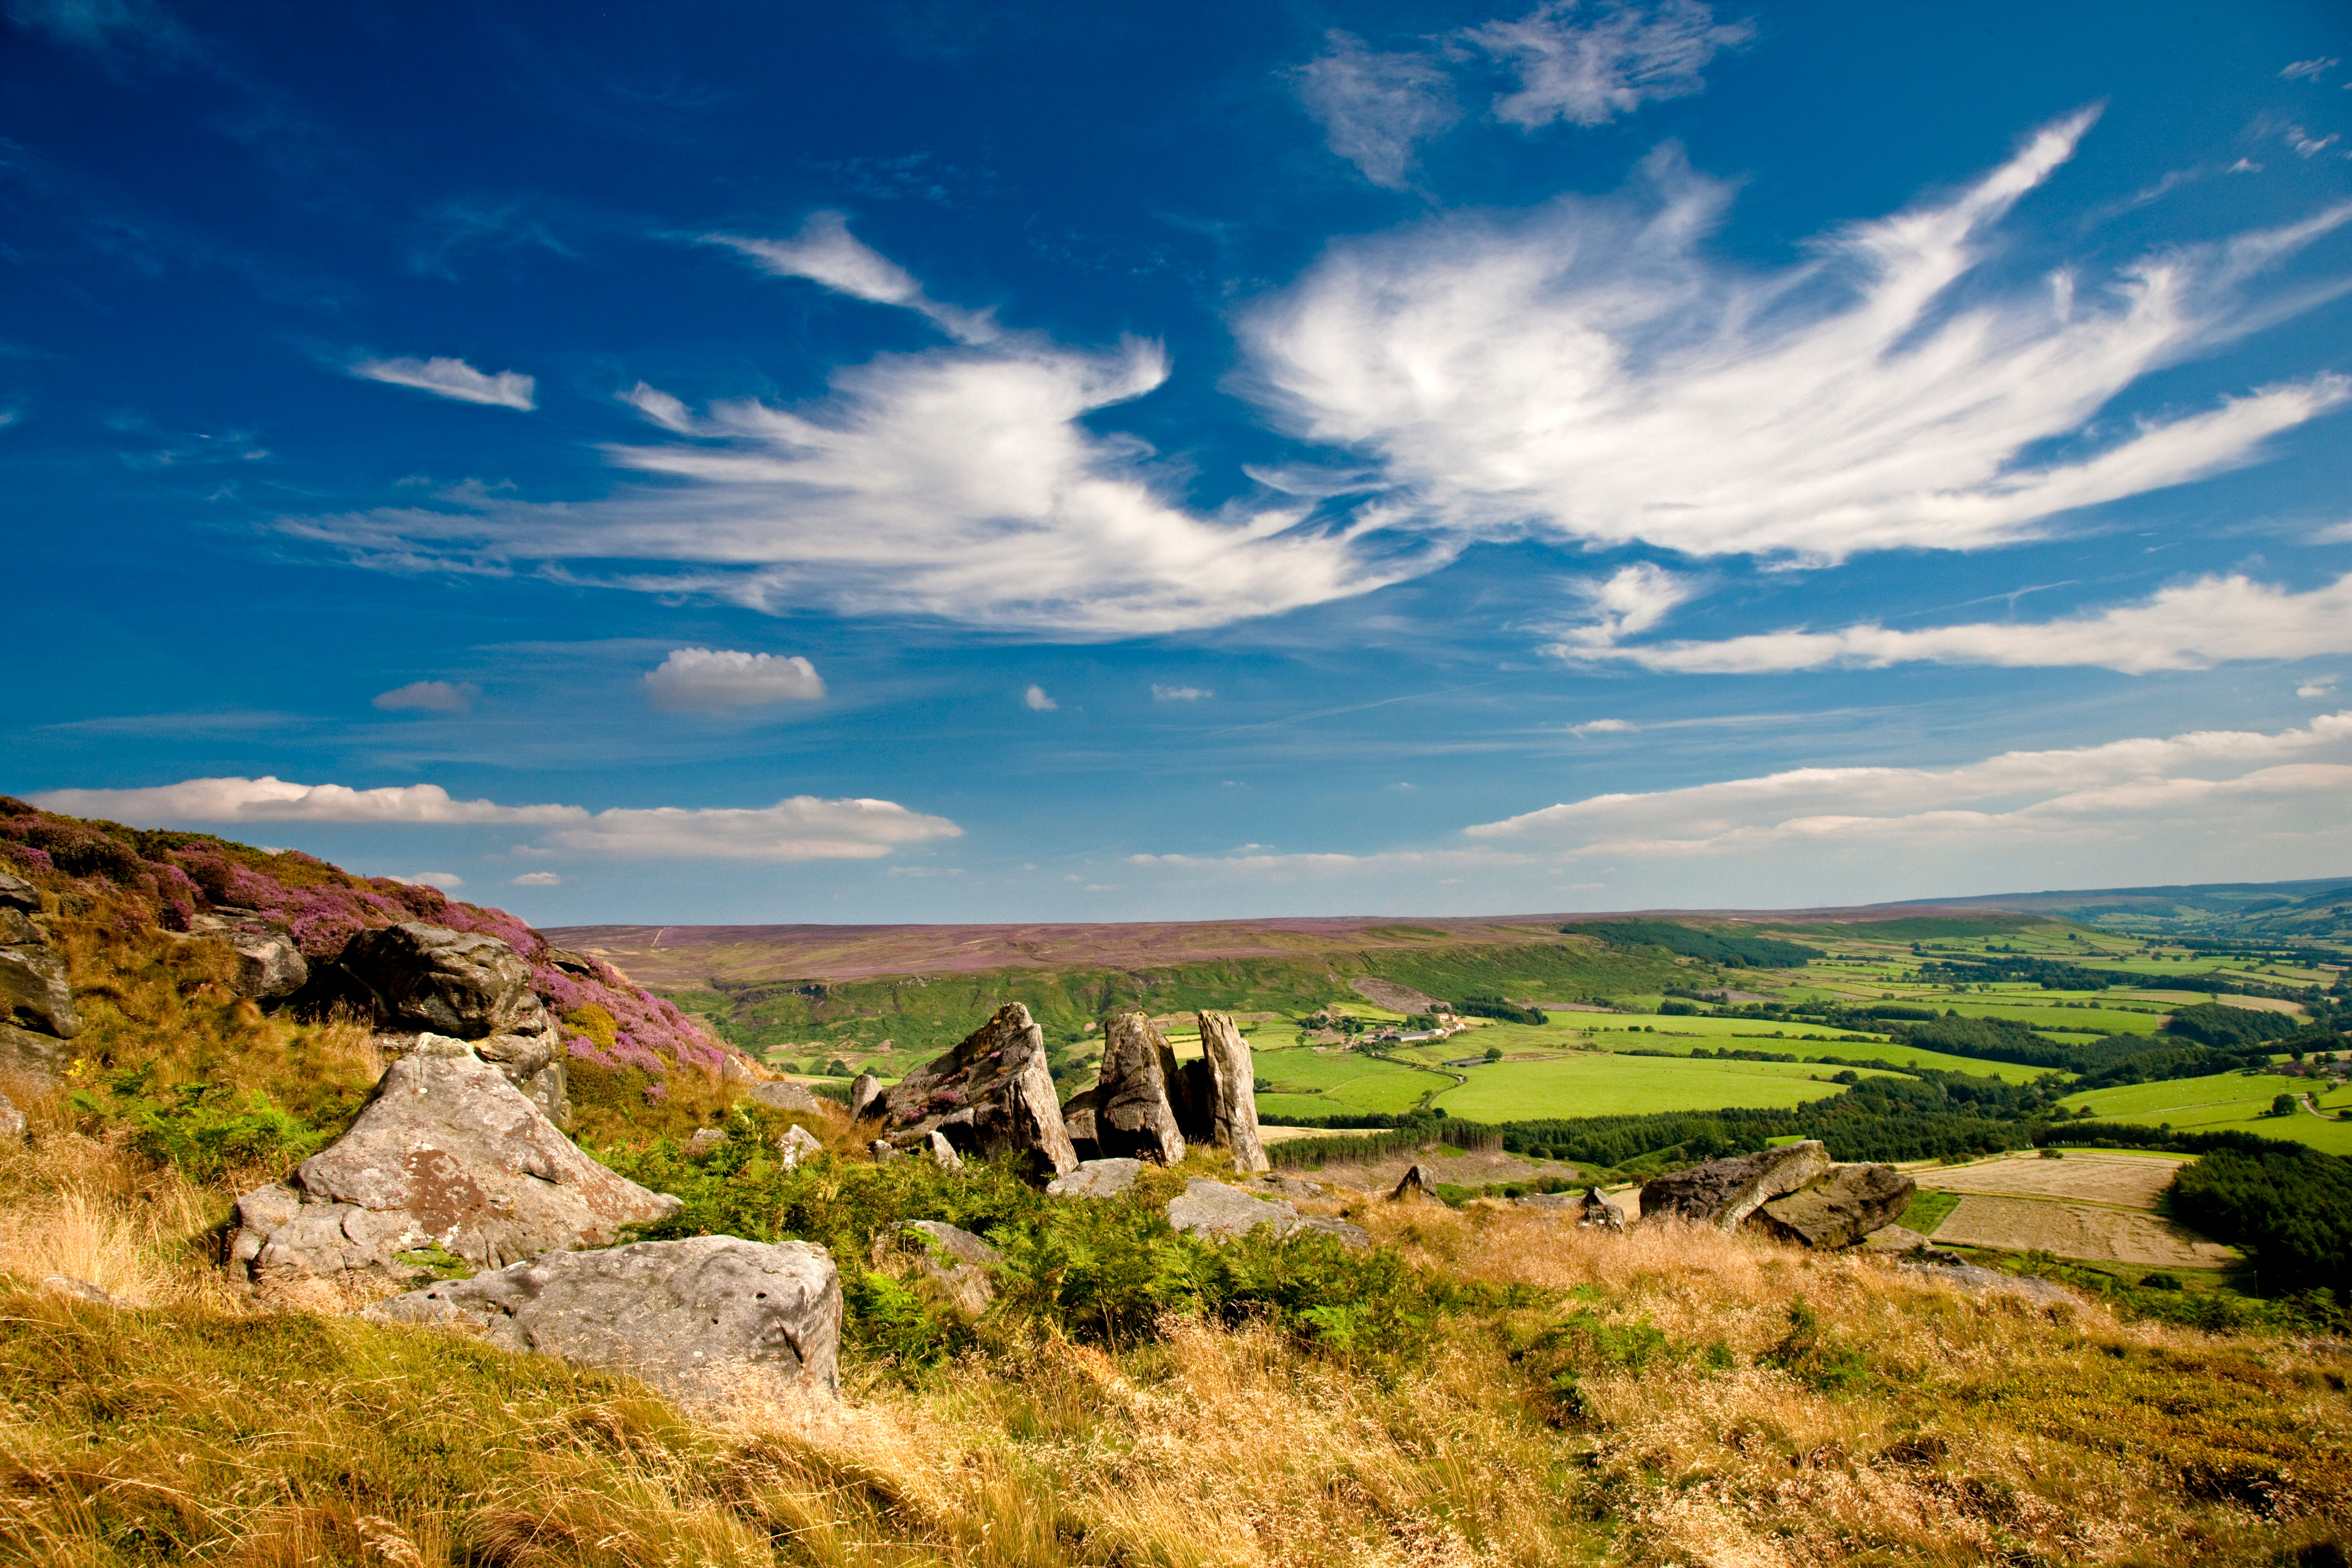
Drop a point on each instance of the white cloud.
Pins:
(1631, 600)
(960, 483)
(1601, 727)
(446, 881)
(704, 680)
(2190, 626)
(1180, 693)
(1586, 374)
(2196, 790)
(1375, 108)
(802, 827)
(826, 253)
(1626, 55)
(539, 879)
(277, 799)
(1036, 701)
(2318, 686)
(2311, 71)
(428, 697)
(660, 408)
(452, 378)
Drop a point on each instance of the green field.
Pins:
(1307, 1083)
(1594, 1084)
(2226, 1102)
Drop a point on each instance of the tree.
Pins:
(2283, 1105)
(836, 1069)
(1494, 1053)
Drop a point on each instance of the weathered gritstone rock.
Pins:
(1415, 1186)
(1596, 1210)
(16, 893)
(1331, 1224)
(1226, 1094)
(460, 984)
(797, 1145)
(955, 1261)
(1972, 1281)
(991, 1095)
(34, 995)
(1840, 1209)
(18, 930)
(783, 1096)
(883, 1150)
(1212, 1209)
(1135, 1105)
(22, 1050)
(269, 967)
(865, 1097)
(704, 1140)
(1081, 1120)
(1283, 1186)
(712, 1319)
(943, 1152)
(1096, 1179)
(1724, 1192)
(447, 1154)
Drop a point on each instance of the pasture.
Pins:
(2224, 1102)
(1597, 1084)
(1308, 1083)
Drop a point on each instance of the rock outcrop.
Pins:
(448, 1154)
(783, 1095)
(1213, 1209)
(797, 1145)
(1096, 1179)
(1224, 1094)
(1724, 1192)
(1135, 1101)
(1596, 1210)
(269, 967)
(1841, 1209)
(34, 995)
(865, 1097)
(1415, 1186)
(991, 1095)
(943, 1152)
(460, 984)
(711, 1319)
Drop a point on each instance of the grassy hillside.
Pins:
(2227, 1102)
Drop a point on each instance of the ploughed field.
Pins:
(2092, 1205)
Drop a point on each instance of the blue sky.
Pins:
(961, 462)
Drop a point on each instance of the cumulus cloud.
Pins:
(1036, 701)
(1589, 65)
(2200, 788)
(539, 879)
(960, 483)
(1180, 693)
(428, 697)
(1375, 108)
(2189, 625)
(802, 827)
(708, 680)
(1629, 602)
(452, 378)
(1587, 374)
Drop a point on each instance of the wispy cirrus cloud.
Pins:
(428, 697)
(1588, 64)
(2188, 626)
(1376, 108)
(1587, 374)
(800, 827)
(826, 253)
(718, 680)
(453, 378)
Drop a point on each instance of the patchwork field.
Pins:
(1596, 1084)
(2093, 1206)
(2092, 1176)
(2228, 1101)
(1307, 1082)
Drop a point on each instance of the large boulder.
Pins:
(1213, 1209)
(1135, 1114)
(1096, 1179)
(33, 990)
(269, 967)
(1841, 1208)
(865, 1097)
(1724, 1192)
(1224, 1094)
(16, 893)
(712, 1319)
(1081, 1120)
(447, 1155)
(783, 1095)
(23, 1050)
(463, 985)
(991, 1095)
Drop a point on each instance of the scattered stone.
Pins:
(446, 1155)
(1841, 1208)
(704, 1140)
(574, 963)
(1415, 1186)
(16, 893)
(13, 1126)
(991, 1095)
(709, 1319)
(865, 1097)
(22, 1050)
(1724, 1192)
(1096, 1179)
(33, 991)
(1552, 1202)
(461, 984)
(1597, 1211)
(1973, 1280)
(883, 1150)
(1895, 1238)
(956, 1261)
(797, 1145)
(269, 967)
(1332, 1225)
(1134, 1111)
(1225, 1094)
(1284, 1186)
(943, 1152)
(784, 1096)
(1212, 1209)
(79, 1290)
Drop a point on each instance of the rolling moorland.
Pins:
(2135, 1103)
